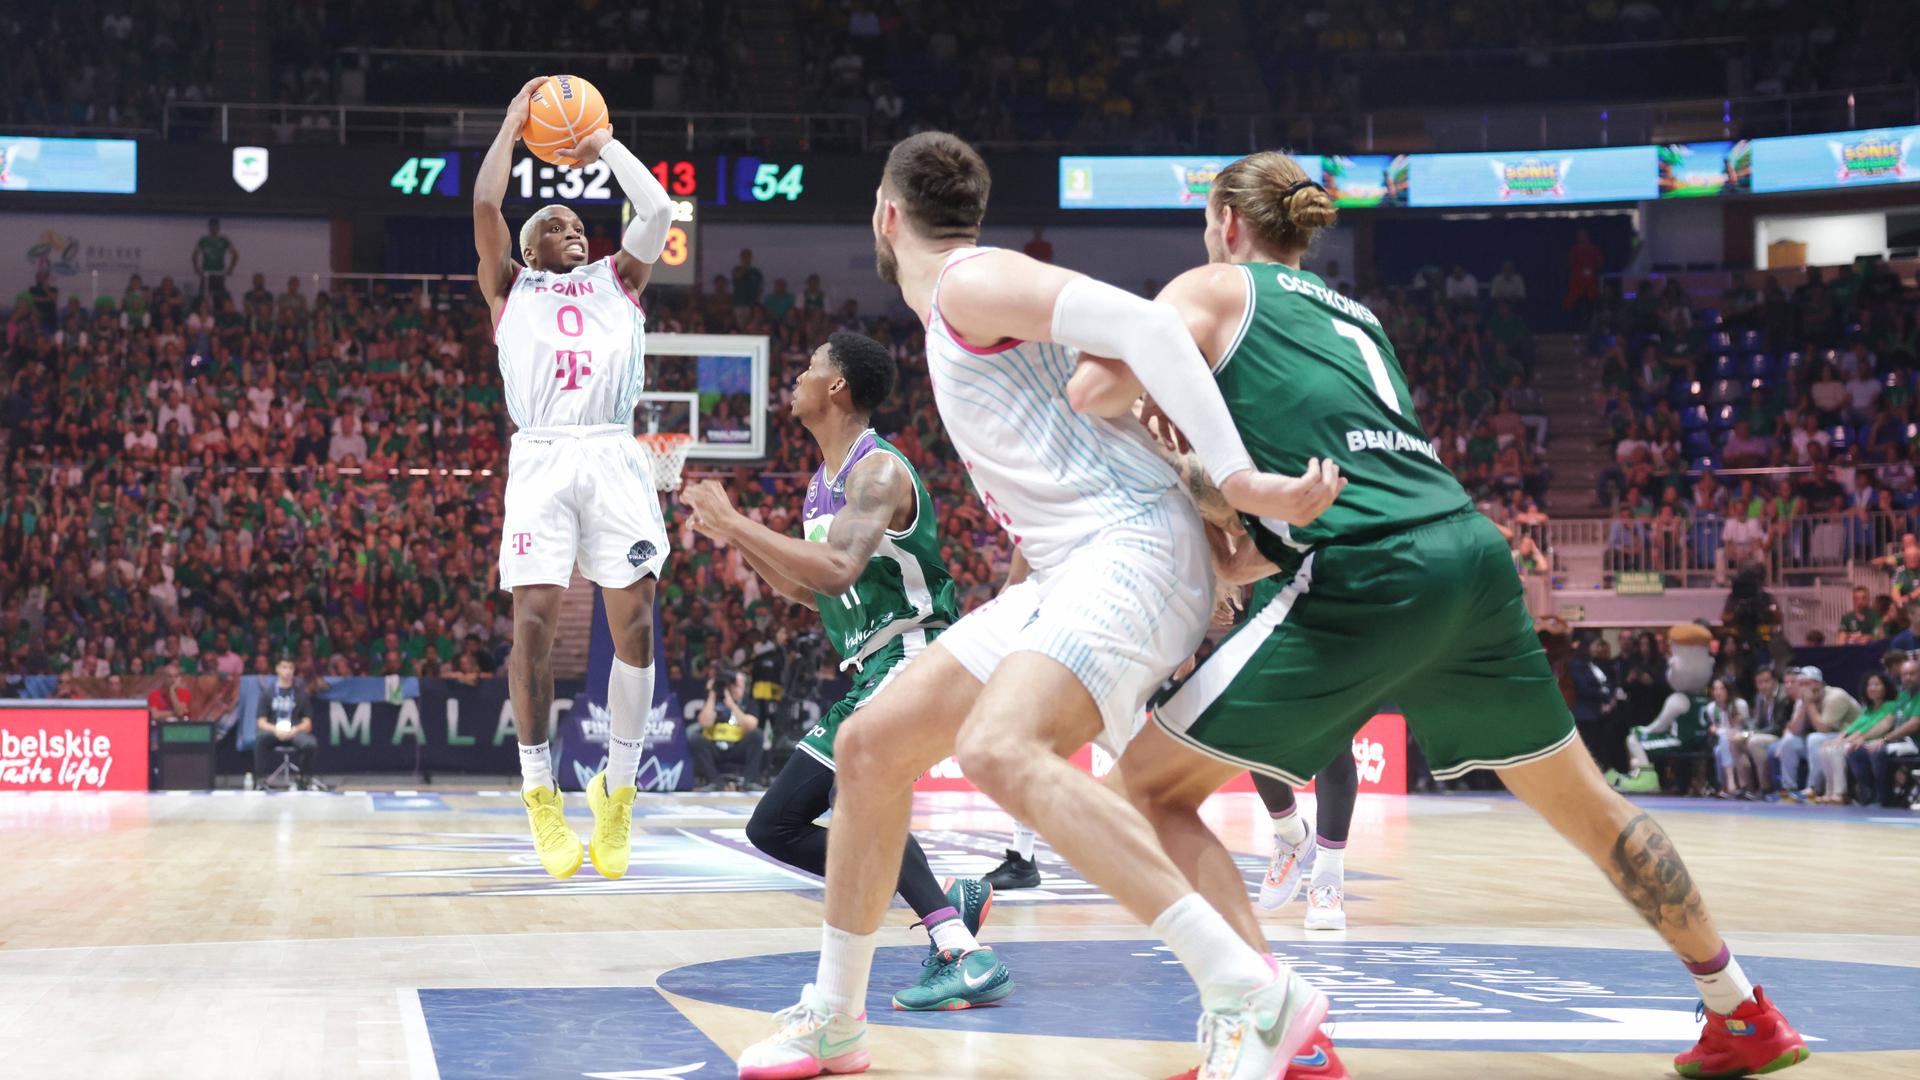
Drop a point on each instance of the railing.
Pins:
(1620, 124)
(456, 126)
(1695, 553)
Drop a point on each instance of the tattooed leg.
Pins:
(1630, 847)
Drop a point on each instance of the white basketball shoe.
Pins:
(1289, 865)
(812, 1040)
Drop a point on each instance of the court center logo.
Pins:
(1398, 995)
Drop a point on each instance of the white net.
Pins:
(667, 453)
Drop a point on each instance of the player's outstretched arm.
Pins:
(878, 490)
(492, 238)
(1005, 294)
(646, 235)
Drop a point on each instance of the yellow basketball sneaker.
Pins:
(553, 838)
(612, 840)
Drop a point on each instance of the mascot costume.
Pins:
(1681, 724)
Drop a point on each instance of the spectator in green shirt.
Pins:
(780, 300)
(748, 284)
(1906, 579)
(1861, 624)
(214, 257)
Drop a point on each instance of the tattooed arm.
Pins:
(880, 495)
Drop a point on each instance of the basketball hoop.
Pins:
(666, 452)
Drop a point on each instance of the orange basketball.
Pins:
(564, 110)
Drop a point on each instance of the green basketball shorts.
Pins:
(1432, 620)
(875, 672)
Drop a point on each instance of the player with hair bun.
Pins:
(1401, 591)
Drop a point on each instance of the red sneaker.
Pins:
(1315, 1061)
(1755, 1039)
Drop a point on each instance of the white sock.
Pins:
(1223, 966)
(845, 961)
(950, 935)
(1725, 990)
(1023, 841)
(536, 766)
(1290, 828)
(1329, 866)
(629, 699)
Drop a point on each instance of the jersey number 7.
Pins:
(1376, 364)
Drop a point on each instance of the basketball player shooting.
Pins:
(1402, 591)
(572, 342)
(1119, 594)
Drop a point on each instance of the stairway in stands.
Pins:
(1568, 381)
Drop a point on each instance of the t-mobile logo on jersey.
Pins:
(572, 365)
(522, 542)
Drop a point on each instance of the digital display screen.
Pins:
(88, 166)
(1139, 183)
(532, 178)
(1838, 159)
(1691, 170)
(1533, 177)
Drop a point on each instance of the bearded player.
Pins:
(1119, 594)
(572, 342)
(1400, 592)
(870, 565)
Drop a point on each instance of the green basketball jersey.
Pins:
(905, 584)
(1312, 374)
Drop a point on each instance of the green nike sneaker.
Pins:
(949, 981)
(972, 898)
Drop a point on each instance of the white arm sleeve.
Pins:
(646, 234)
(1151, 338)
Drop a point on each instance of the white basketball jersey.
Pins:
(572, 347)
(1050, 476)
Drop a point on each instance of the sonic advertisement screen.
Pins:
(1183, 182)
(1533, 177)
(1691, 170)
(102, 166)
(1840, 159)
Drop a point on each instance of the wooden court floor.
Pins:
(410, 935)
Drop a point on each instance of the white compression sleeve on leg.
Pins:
(646, 234)
(1152, 339)
(629, 699)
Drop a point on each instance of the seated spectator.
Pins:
(1871, 763)
(172, 699)
(1820, 715)
(1861, 623)
(1731, 726)
(1507, 286)
(1752, 750)
(726, 734)
(1877, 717)
(285, 718)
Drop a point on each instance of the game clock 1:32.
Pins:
(534, 179)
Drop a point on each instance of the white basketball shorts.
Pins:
(580, 495)
(1120, 612)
